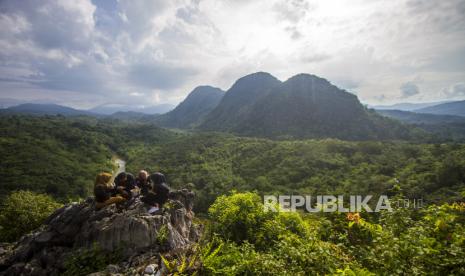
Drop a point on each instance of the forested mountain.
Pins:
(452, 108)
(192, 111)
(238, 102)
(304, 106)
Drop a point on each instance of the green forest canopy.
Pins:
(61, 156)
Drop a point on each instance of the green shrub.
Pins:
(405, 241)
(23, 211)
(247, 240)
(241, 217)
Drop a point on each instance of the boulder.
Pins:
(127, 228)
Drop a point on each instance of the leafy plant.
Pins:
(22, 212)
(163, 233)
(181, 265)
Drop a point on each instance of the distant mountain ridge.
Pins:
(406, 106)
(192, 111)
(108, 109)
(420, 118)
(451, 108)
(260, 105)
(55, 109)
(444, 127)
(46, 109)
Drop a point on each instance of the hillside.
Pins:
(60, 156)
(192, 111)
(452, 108)
(236, 105)
(304, 106)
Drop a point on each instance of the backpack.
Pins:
(101, 193)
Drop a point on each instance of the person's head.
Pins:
(143, 175)
(121, 179)
(103, 178)
(157, 178)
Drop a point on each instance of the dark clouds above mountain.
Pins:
(409, 89)
(84, 53)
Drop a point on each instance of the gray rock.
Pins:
(129, 229)
(151, 269)
(113, 269)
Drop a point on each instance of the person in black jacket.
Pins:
(125, 185)
(160, 188)
(160, 192)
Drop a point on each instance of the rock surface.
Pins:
(127, 229)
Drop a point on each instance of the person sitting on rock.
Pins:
(103, 189)
(143, 182)
(156, 198)
(125, 185)
(160, 188)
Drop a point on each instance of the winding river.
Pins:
(120, 165)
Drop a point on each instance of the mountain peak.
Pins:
(302, 77)
(201, 89)
(257, 77)
(238, 100)
(193, 109)
(252, 85)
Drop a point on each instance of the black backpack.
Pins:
(101, 193)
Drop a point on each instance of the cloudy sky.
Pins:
(84, 53)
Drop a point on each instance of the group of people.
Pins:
(152, 189)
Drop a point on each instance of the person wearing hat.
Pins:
(103, 189)
(125, 185)
(156, 198)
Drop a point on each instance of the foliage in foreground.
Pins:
(22, 212)
(243, 239)
(90, 260)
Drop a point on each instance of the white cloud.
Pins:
(456, 90)
(77, 52)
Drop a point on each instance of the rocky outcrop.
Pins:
(127, 228)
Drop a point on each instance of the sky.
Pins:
(146, 52)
